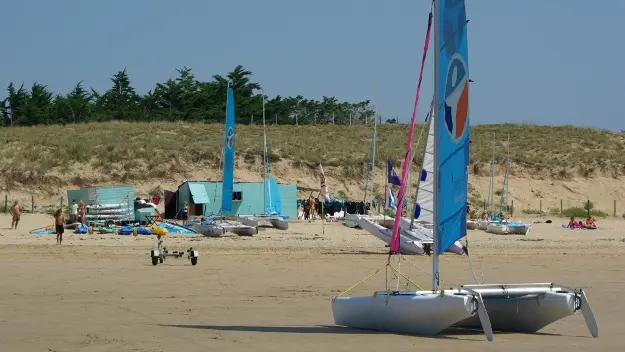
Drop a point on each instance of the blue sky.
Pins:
(536, 61)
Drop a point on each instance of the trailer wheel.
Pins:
(194, 261)
(154, 260)
(161, 259)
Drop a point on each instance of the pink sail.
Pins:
(394, 246)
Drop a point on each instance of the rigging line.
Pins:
(427, 272)
(394, 245)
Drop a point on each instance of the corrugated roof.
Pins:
(198, 193)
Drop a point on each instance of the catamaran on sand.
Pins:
(526, 307)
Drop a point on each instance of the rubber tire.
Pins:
(194, 261)
(161, 259)
(154, 260)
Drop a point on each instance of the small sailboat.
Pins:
(271, 195)
(526, 307)
(217, 225)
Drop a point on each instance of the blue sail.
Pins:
(273, 205)
(452, 130)
(228, 178)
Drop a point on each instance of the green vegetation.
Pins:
(122, 151)
(182, 98)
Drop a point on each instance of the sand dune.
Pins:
(272, 292)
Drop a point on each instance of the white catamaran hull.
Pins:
(277, 222)
(472, 225)
(497, 229)
(529, 307)
(351, 220)
(428, 233)
(420, 312)
(523, 229)
(409, 243)
(208, 230)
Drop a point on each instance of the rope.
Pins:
(470, 262)
(354, 286)
(394, 245)
(405, 277)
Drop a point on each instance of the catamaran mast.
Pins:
(437, 132)
(371, 166)
(265, 188)
(491, 185)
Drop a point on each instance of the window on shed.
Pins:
(237, 196)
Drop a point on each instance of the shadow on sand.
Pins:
(451, 333)
(325, 329)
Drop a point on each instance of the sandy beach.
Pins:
(272, 292)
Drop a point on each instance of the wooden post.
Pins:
(615, 208)
(540, 209)
(561, 208)
(6, 203)
(32, 204)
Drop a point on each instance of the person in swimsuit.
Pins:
(185, 213)
(82, 211)
(59, 224)
(16, 212)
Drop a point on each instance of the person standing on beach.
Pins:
(82, 210)
(185, 213)
(59, 224)
(73, 213)
(16, 212)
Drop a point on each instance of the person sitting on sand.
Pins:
(59, 224)
(573, 224)
(590, 223)
(16, 212)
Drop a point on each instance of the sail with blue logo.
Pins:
(452, 124)
(273, 206)
(228, 178)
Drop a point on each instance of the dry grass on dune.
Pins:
(124, 152)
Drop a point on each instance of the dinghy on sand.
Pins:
(526, 307)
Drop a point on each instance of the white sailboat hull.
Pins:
(421, 312)
(529, 307)
(409, 242)
(509, 308)
(428, 233)
(208, 230)
(482, 225)
(472, 225)
(351, 220)
(522, 229)
(497, 229)
(239, 229)
(276, 221)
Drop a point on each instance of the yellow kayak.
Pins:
(157, 230)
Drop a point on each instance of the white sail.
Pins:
(425, 194)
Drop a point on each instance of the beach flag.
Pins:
(324, 187)
(392, 177)
(390, 202)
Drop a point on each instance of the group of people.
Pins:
(588, 224)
